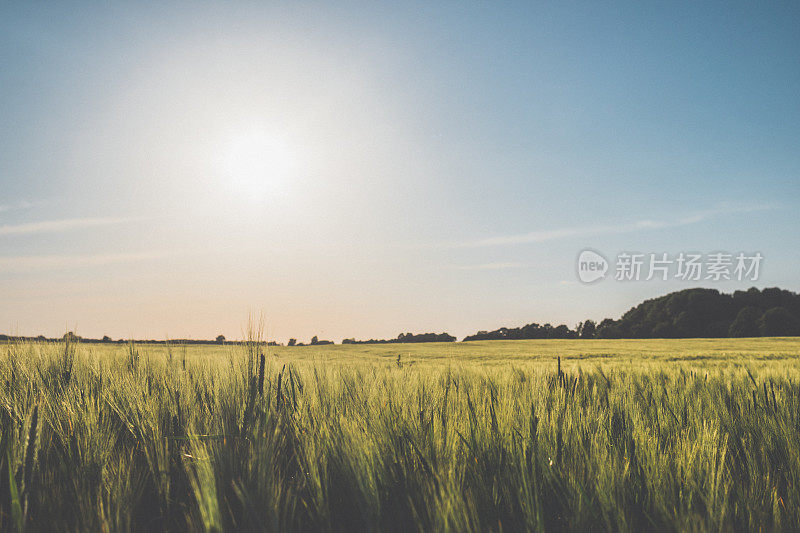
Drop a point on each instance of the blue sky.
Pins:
(361, 169)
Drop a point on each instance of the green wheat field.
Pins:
(622, 435)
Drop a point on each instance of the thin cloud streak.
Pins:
(608, 229)
(16, 206)
(54, 226)
(64, 262)
(490, 266)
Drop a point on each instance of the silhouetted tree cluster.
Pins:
(108, 340)
(407, 337)
(770, 312)
(315, 341)
(529, 331)
(586, 330)
(689, 313)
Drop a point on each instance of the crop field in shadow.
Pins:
(485, 436)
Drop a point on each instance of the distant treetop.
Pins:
(770, 312)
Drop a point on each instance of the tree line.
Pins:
(771, 312)
(407, 337)
(689, 313)
(72, 337)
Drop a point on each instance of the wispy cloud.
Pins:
(22, 204)
(53, 226)
(604, 229)
(490, 266)
(62, 262)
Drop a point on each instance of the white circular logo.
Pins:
(591, 266)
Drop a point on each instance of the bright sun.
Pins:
(255, 164)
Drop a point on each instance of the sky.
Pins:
(168, 170)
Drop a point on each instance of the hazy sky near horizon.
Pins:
(362, 169)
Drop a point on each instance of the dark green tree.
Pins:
(746, 323)
(778, 322)
(588, 329)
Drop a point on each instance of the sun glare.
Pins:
(255, 164)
